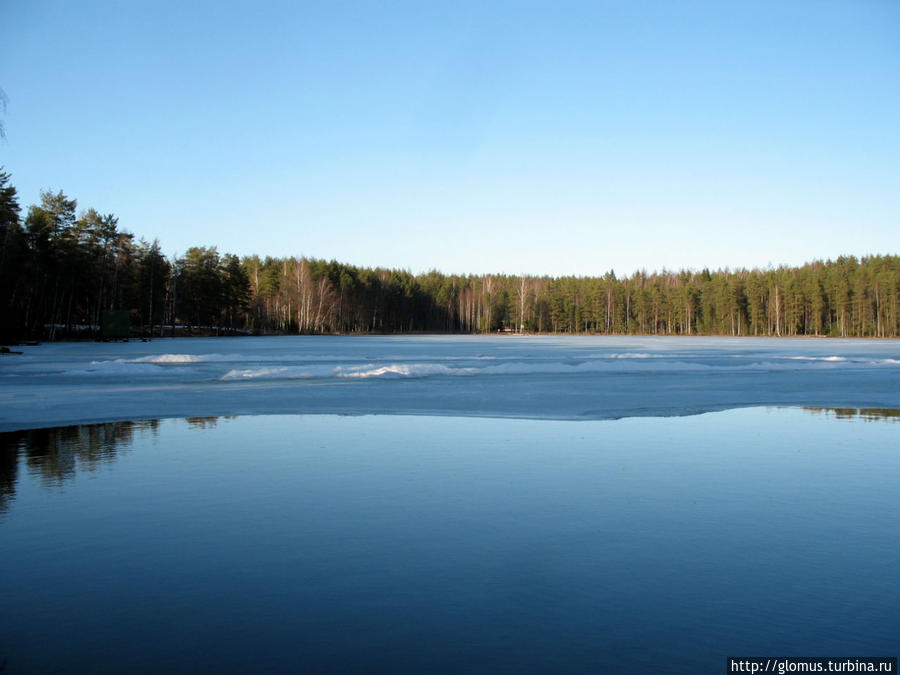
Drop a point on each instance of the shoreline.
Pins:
(35, 343)
(838, 412)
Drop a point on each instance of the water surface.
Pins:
(442, 544)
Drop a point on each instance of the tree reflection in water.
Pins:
(57, 453)
(9, 470)
(867, 414)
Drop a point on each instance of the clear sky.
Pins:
(555, 137)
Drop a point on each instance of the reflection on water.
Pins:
(57, 454)
(867, 414)
(9, 469)
(438, 544)
(206, 422)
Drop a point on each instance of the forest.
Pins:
(61, 269)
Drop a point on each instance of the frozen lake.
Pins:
(439, 544)
(501, 376)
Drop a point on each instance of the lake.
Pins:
(417, 543)
(447, 503)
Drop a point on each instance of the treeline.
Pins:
(845, 297)
(59, 271)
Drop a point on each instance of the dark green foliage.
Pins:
(153, 283)
(312, 296)
(115, 324)
(58, 274)
(13, 253)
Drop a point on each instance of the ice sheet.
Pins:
(508, 376)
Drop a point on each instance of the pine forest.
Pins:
(60, 269)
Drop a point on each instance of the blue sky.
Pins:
(557, 138)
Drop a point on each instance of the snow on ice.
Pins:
(505, 376)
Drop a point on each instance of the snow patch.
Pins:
(279, 373)
(416, 370)
(832, 359)
(175, 358)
